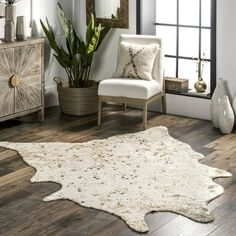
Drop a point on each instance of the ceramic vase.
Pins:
(10, 14)
(234, 104)
(216, 100)
(21, 29)
(9, 32)
(200, 86)
(226, 117)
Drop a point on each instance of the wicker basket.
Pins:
(78, 101)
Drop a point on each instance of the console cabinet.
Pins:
(22, 78)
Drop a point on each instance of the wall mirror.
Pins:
(114, 13)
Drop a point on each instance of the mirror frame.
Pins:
(122, 22)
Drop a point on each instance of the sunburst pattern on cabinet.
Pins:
(21, 78)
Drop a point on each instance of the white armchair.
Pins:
(131, 90)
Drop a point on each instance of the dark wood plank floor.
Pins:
(23, 213)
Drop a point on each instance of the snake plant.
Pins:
(77, 58)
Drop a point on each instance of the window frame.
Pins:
(212, 59)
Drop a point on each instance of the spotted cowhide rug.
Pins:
(128, 175)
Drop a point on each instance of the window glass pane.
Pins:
(170, 67)
(187, 70)
(188, 42)
(206, 43)
(168, 34)
(189, 12)
(188, 37)
(206, 13)
(166, 11)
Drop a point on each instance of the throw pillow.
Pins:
(136, 61)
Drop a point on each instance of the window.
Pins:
(188, 31)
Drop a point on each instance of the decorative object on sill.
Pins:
(226, 117)
(200, 85)
(127, 175)
(77, 58)
(2, 10)
(216, 101)
(21, 29)
(9, 32)
(176, 84)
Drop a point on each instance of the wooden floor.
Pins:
(23, 213)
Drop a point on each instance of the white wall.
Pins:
(226, 43)
(148, 17)
(226, 50)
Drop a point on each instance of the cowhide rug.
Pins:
(128, 175)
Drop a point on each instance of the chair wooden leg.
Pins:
(124, 106)
(163, 99)
(145, 106)
(99, 111)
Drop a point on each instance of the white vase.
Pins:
(216, 100)
(226, 117)
(234, 104)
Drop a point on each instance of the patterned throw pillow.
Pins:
(136, 61)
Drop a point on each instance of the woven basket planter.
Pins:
(78, 101)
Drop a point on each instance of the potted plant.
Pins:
(78, 95)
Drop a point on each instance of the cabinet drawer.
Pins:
(20, 79)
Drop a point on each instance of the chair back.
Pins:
(158, 69)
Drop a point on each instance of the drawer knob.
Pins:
(15, 80)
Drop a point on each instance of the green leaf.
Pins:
(90, 29)
(76, 44)
(68, 29)
(67, 58)
(60, 61)
(105, 30)
(82, 49)
(92, 46)
(50, 36)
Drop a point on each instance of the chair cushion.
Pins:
(136, 60)
(130, 88)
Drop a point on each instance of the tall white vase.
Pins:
(234, 104)
(216, 101)
(226, 118)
